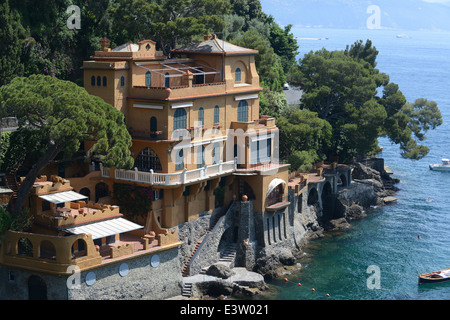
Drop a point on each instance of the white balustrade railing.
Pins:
(153, 178)
(105, 171)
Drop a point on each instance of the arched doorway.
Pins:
(37, 289)
(313, 197)
(147, 160)
(327, 201)
(86, 192)
(101, 190)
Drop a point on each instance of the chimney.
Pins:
(105, 44)
(207, 37)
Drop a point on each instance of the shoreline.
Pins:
(370, 188)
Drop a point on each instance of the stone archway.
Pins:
(327, 201)
(313, 197)
(37, 288)
(85, 192)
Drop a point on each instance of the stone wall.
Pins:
(152, 277)
(14, 284)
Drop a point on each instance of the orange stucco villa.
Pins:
(200, 146)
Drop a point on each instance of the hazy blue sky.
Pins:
(446, 2)
(393, 14)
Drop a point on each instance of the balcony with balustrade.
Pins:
(170, 179)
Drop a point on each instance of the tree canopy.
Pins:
(64, 115)
(304, 138)
(342, 88)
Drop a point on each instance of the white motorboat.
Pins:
(444, 166)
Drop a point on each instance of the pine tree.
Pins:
(11, 38)
(64, 115)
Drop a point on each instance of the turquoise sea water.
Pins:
(388, 237)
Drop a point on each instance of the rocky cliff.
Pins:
(272, 249)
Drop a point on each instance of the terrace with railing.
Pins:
(60, 254)
(172, 179)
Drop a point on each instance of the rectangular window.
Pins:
(45, 205)
(216, 115)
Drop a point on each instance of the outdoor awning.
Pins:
(62, 197)
(105, 228)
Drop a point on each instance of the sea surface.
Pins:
(341, 265)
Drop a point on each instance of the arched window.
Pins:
(79, 249)
(179, 120)
(243, 111)
(237, 76)
(99, 81)
(216, 115)
(93, 81)
(148, 79)
(104, 81)
(201, 117)
(167, 80)
(147, 160)
(122, 81)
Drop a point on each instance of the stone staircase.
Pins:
(228, 255)
(227, 258)
(185, 270)
(187, 290)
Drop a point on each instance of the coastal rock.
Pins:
(213, 288)
(355, 211)
(269, 261)
(242, 282)
(338, 225)
(286, 257)
(220, 270)
(267, 265)
(362, 172)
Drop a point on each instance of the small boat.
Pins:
(436, 276)
(444, 166)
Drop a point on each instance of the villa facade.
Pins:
(201, 149)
